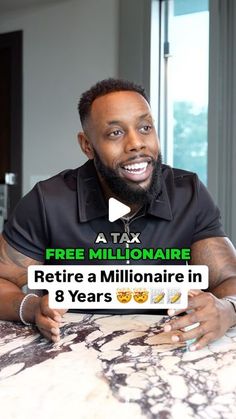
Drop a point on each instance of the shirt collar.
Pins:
(160, 206)
(92, 204)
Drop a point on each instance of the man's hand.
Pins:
(213, 315)
(48, 320)
(13, 275)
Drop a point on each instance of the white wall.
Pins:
(66, 48)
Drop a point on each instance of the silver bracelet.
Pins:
(22, 306)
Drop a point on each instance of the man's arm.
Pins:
(214, 314)
(13, 275)
(220, 256)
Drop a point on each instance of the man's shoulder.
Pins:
(177, 173)
(180, 178)
(67, 179)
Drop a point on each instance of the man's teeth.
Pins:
(136, 167)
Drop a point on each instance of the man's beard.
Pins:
(127, 192)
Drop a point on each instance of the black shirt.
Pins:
(69, 210)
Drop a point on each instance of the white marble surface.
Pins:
(114, 367)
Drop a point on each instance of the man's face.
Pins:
(123, 143)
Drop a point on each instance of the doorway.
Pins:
(10, 122)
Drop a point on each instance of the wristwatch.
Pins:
(232, 300)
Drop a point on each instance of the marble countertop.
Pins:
(114, 366)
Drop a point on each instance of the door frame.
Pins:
(14, 41)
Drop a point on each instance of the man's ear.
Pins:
(85, 145)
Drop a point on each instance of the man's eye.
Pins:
(115, 133)
(146, 129)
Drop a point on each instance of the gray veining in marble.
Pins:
(114, 366)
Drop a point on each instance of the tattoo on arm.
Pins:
(9, 255)
(219, 255)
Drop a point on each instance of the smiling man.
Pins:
(170, 208)
(120, 137)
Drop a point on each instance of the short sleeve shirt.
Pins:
(69, 211)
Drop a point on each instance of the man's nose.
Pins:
(134, 141)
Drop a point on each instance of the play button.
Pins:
(117, 210)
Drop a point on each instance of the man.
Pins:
(169, 207)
